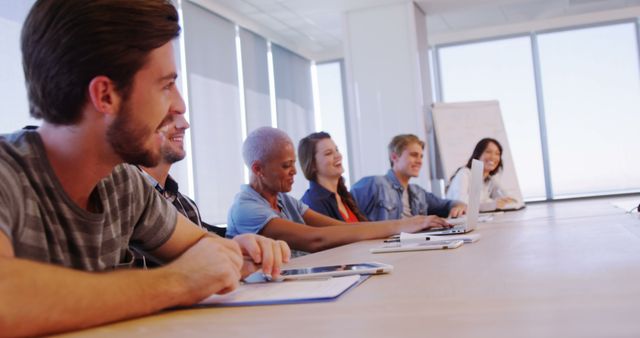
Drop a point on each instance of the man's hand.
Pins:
(423, 222)
(260, 250)
(212, 265)
(458, 210)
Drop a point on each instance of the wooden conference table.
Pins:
(561, 269)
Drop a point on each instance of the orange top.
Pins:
(350, 217)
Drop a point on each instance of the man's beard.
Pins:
(169, 155)
(128, 140)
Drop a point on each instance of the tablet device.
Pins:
(371, 268)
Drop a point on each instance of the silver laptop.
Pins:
(470, 221)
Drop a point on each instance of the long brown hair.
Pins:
(307, 157)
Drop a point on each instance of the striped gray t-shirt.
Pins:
(44, 224)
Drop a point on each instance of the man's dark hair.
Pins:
(67, 43)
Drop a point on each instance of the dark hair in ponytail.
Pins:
(348, 200)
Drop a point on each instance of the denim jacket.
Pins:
(380, 198)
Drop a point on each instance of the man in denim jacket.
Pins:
(392, 197)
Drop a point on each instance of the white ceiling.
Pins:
(446, 16)
(315, 26)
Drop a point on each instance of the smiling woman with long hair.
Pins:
(321, 163)
(489, 151)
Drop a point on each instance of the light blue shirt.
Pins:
(380, 198)
(250, 211)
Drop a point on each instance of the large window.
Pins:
(13, 93)
(294, 102)
(255, 71)
(589, 94)
(592, 103)
(214, 107)
(228, 70)
(330, 116)
(501, 70)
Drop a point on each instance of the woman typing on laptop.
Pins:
(492, 197)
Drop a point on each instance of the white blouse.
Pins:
(459, 189)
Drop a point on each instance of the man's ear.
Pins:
(103, 95)
(394, 158)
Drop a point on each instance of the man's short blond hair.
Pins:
(400, 142)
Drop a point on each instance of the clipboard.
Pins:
(285, 292)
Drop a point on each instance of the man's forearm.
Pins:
(40, 298)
